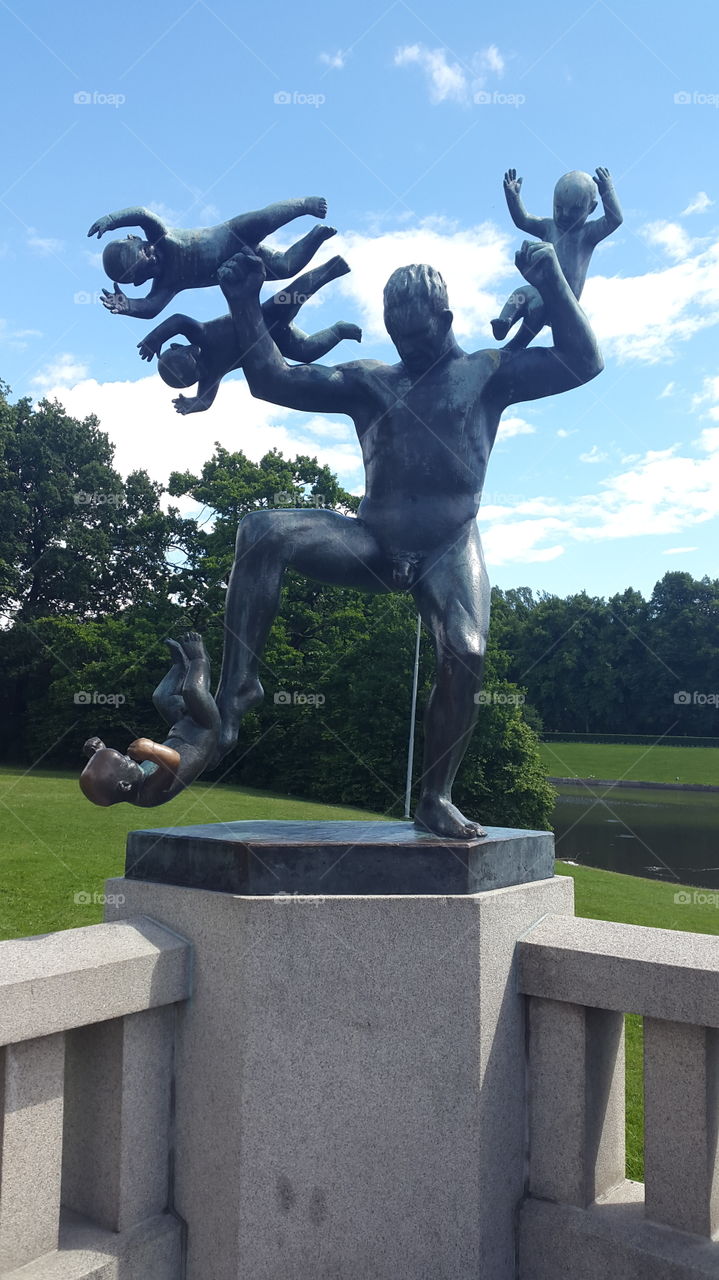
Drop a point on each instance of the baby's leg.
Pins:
(196, 688)
(288, 301)
(167, 697)
(513, 310)
(304, 347)
(280, 266)
(534, 321)
(255, 226)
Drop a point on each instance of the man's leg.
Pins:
(321, 544)
(453, 597)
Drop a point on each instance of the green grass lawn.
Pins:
(631, 763)
(55, 845)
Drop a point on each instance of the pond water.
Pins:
(664, 835)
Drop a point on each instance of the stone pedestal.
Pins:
(350, 1078)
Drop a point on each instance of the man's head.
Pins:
(417, 316)
(130, 261)
(109, 776)
(179, 365)
(575, 197)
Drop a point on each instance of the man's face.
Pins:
(419, 334)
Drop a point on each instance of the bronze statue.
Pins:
(574, 239)
(426, 426)
(152, 773)
(175, 260)
(214, 349)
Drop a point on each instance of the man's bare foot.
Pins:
(500, 329)
(232, 711)
(350, 331)
(316, 206)
(443, 818)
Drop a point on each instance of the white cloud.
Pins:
(670, 237)
(335, 61)
(594, 455)
(564, 434)
(678, 551)
(698, 204)
(16, 339)
(667, 391)
(509, 427)
(490, 59)
(44, 245)
(447, 80)
(61, 373)
(472, 260)
(141, 422)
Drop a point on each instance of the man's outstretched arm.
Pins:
(575, 357)
(316, 388)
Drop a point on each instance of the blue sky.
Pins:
(405, 117)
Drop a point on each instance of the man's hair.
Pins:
(177, 366)
(120, 257)
(417, 283)
(580, 181)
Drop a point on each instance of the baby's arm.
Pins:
(613, 217)
(525, 221)
(207, 389)
(142, 308)
(153, 343)
(136, 216)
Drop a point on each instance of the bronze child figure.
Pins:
(151, 773)
(214, 349)
(175, 260)
(573, 237)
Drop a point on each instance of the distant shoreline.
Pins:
(649, 786)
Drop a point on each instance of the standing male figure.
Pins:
(426, 427)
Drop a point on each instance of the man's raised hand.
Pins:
(537, 262)
(512, 184)
(244, 273)
(117, 302)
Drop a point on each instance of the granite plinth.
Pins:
(324, 858)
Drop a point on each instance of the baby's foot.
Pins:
(316, 206)
(192, 645)
(325, 233)
(352, 332)
(500, 329)
(178, 654)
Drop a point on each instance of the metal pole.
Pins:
(412, 719)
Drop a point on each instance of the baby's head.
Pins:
(575, 197)
(130, 261)
(109, 776)
(179, 365)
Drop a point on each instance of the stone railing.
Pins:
(583, 1218)
(86, 1069)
